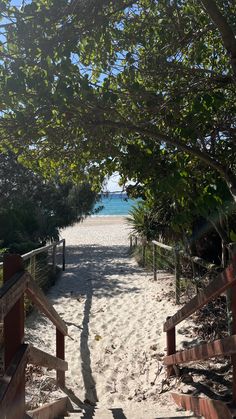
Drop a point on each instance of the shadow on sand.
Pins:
(93, 270)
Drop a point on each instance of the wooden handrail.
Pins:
(199, 261)
(42, 249)
(9, 384)
(12, 386)
(37, 296)
(11, 291)
(220, 347)
(43, 359)
(164, 246)
(195, 259)
(225, 280)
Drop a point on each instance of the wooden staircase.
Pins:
(17, 354)
(209, 409)
(123, 412)
(18, 282)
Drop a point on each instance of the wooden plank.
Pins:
(43, 359)
(224, 280)
(38, 297)
(13, 329)
(11, 292)
(41, 250)
(195, 259)
(14, 319)
(208, 265)
(171, 348)
(35, 252)
(10, 382)
(50, 410)
(38, 251)
(60, 352)
(164, 246)
(154, 258)
(210, 409)
(221, 347)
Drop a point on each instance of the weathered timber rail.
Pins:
(31, 256)
(16, 283)
(177, 255)
(222, 347)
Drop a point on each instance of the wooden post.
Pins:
(131, 242)
(143, 243)
(60, 353)
(177, 275)
(143, 254)
(63, 255)
(171, 347)
(136, 241)
(14, 334)
(154, 249)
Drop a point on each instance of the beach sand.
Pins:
(115, 314)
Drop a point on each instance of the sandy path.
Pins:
(114, 313)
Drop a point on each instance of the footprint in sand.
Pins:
(104, 327)
(105, 367)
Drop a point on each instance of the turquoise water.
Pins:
(115, 204)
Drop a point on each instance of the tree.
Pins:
(128, 72)
(33, 210)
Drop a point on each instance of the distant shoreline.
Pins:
(105, 220)
(108, 215)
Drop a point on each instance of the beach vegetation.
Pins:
(145, 88)
(32, 210)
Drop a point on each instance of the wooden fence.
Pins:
(31, 256)
(223, 347)
(16, 283)
(177, 254)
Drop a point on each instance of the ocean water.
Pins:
(115, 204)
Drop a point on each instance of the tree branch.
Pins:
(224, 28)
(149, 131)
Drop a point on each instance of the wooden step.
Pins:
(208, 408)
(62, 408)
(50, 410)
(127, 413)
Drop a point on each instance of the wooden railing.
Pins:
(17, 354)
(31, 256)
(177, 254)
(222, 347)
